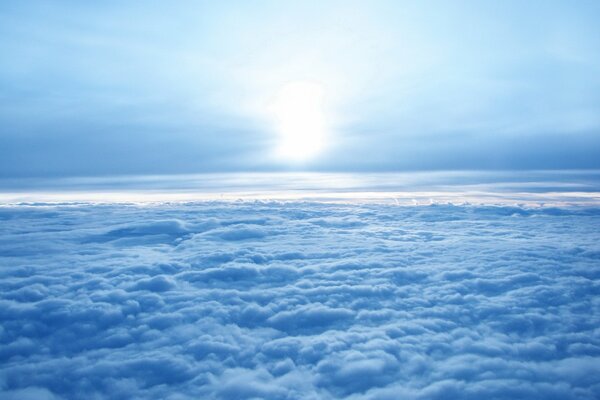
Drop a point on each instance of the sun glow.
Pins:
(300, 117)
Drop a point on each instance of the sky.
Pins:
(121, 88)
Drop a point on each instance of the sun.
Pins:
(299, 114)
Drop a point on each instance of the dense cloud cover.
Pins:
(299, 300)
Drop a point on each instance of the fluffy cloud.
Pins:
(299, 301)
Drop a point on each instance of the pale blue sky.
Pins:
(183, 87)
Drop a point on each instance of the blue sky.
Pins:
(151, 87)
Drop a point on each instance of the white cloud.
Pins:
(299, 300)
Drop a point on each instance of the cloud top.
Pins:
(298, 300)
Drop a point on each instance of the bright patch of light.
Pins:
(300, 117)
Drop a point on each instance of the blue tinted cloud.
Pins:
(329, 301)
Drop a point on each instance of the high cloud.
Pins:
(299, 300)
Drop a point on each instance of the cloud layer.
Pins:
(299, 301)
